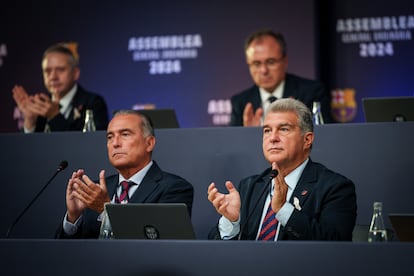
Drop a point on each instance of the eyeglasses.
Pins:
(269, 63)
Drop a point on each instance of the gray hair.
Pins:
(296, 106)
(62, 49)
(147, 127)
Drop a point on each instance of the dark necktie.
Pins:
(271, 99)
(123, 197)
(269, 226)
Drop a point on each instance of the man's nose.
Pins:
(116, 141)
(274, 136)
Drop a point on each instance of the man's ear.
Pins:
(308, 140)
(76, 72)
(150, 143)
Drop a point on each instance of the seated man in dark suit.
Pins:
(130, 142)
(266, 56)
(295, 199)
(66, 108)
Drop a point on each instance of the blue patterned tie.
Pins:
(269, 226)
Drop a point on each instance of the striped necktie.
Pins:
(123, 197)
(269, 226)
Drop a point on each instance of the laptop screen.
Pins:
(150, 221)
(388, 109)
(161, 118)
(403, 225)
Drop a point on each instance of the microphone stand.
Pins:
(61, 167)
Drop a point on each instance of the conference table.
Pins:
(378, 157)
(202, 257)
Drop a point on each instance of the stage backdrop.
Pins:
(185, 55)
(366, 51)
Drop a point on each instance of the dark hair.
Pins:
(62, 49)
(146, 125)
(267, 32)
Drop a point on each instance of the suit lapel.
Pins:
(78, 105)
(259, 192)
(304, 187)
(148, 185)
(111, 184)
(290, 89)
(254, 98)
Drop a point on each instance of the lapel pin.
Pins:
(304, 192)
(296, 203)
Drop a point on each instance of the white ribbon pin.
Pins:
(296, 204)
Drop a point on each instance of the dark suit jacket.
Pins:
(81, 101)
(156, 187)
(327, 199)
(305, 90)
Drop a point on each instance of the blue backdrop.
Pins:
(118, 42)
(189, 55)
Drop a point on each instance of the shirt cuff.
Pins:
(69, 228)
(284, 213)
(228, 229)
(26, 130)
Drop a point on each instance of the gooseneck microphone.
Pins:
(273, 174)
(60, 168)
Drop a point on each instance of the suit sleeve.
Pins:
(180, 191)
(236, 118)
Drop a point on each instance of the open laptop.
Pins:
(150, 221)
(403, 225)
(388, 109)
(161, 118)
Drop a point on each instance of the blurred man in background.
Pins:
(266, 56)
(66, 106)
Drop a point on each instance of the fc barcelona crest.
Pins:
(343, 105)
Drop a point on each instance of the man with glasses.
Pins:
(295, 198)
(266, 56)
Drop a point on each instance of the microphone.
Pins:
(60, 168)
(273, 174)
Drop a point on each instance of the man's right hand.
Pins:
(75, 207)
(227, 205)
(251, 118)
(83, 193)
(25, 104)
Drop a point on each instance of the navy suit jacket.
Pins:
(327, 200)
(81, 101)
(305, 90)
(156, 187)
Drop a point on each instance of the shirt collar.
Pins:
(137, 178)
(278, 92)
(66, 101)
(293, 178)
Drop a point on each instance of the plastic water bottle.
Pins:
(317, 113)
(105, 232)
(377, 230)
(89, 125)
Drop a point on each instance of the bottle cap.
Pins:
(377, 205)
